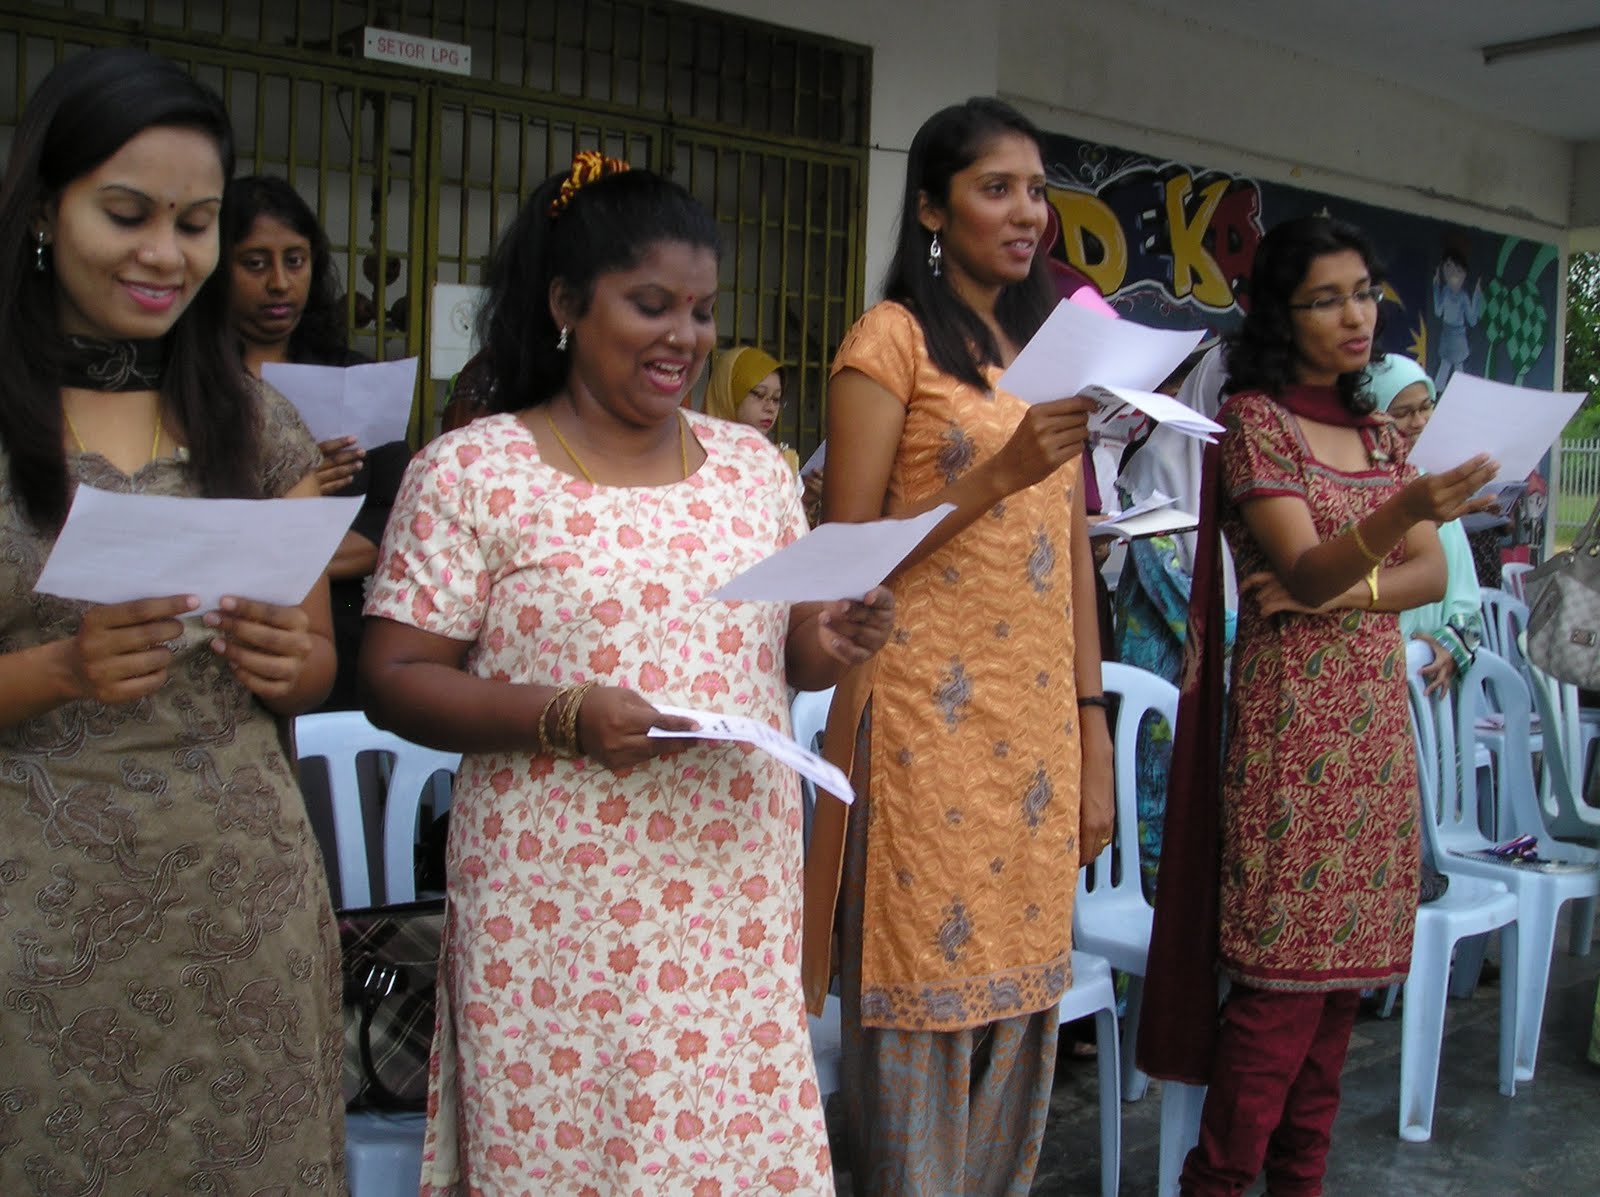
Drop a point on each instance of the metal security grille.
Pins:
(414, 175)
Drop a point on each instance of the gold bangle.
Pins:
(541, 739)
(1372, 585)
(1372, 558)
(569, 717)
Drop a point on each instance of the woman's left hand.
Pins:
(267, 646)
(851, 631)
(1274, 599)
(1097, 799)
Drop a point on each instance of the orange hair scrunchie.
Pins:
(587, 166)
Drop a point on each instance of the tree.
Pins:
(1583, 343)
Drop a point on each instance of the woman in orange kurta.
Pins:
(978, 793)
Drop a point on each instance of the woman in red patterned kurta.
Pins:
(622, 1013)
(1332, 534)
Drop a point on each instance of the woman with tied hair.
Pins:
(1311, 826)
(621, 1010)
(983, 765)
(171, 988)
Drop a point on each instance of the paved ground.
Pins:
(1544, 1141)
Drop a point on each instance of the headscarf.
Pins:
(1393, 374)
(734, 375)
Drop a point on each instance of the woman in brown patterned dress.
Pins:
(1332, 535)
(169, 1005)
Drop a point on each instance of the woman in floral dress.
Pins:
(622, 1011)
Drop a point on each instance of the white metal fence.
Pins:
(1578, 487)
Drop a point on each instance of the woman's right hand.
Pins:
(1050, 435)
(341, 461)
(614, 726)
(120, 652)
(1448, 495)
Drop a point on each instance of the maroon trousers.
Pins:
(1274, 1093)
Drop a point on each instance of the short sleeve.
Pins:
(432, 572)
(886, 346)
(288, 452)
(1259, 457)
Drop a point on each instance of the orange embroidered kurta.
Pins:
(972, 847)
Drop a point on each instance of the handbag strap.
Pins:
(1586, 541)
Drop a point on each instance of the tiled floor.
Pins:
(1545, 1141)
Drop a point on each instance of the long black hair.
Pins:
(958, 340)
(86, 110)
(1261, 354)
(607, 225)
(320, 338)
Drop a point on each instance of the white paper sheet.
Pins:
(835, 561)
(741, 728)
(1514, 425)
(815, 461)
(1077, 348)
(116, 548)
(1116, 402)
(370, 402)
(1148, 523)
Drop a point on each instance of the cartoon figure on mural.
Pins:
(1457, 312)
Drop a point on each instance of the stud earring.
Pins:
(934, 254)
(38, 251)
(561, 341)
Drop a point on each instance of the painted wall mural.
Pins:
(1170, 244)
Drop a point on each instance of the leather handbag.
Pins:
(391, 964)
(1564, 610)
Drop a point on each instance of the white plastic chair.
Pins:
(1470, 907)
(1110, 916)
(383, 1152)
(808, 715)
(1512, 579)
(1181, 1108)
(1453, 833)
(1092, 994)
(1571, 730)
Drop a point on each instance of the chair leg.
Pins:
(1134, 1082)
(1468, 966)
(1105, 1024)
(1389, 996)
(1422, 1035)
(1510, 961)
(1582, 927)
(1536, 926)
(1181, 1106)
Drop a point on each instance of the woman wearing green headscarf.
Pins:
(746, 386)
(1454, 625)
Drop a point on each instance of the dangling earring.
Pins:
(934, 254)
(561, 341)
(38, 251)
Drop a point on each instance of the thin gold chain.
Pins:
(155, 445)
(683, 447)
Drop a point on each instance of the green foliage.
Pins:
(1583, 343)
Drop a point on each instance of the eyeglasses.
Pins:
(1329, 305)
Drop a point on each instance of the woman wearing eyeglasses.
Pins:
(1332, 534)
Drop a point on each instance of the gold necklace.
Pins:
(683, 447)
(155, 445)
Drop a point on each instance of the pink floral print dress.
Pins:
(623, 1011)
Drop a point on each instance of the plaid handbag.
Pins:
(391, 962)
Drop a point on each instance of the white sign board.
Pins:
(453, 329)
(405, 49)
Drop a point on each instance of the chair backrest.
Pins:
(1493, 685)
(1512, 577)
(1504, 617)
(808, 715)
(341, 738)
(1562, 760)
(1425, 728)
(1138, 693)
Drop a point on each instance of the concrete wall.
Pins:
(1586, 197)
(1118, 73)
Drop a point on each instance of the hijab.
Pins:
(733, 376)
(1387, 378)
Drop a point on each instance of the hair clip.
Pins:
(587, 166)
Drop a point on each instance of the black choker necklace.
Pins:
(93, 364)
